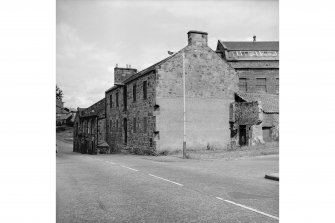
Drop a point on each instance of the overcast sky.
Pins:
(93, 36)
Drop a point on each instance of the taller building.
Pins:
(256, 63)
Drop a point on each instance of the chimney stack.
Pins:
(121, 74)
(197, 38)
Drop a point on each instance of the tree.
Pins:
(59, 93)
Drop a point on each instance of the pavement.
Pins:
(272, 176)
(130, 188)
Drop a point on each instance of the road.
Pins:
(130, 188)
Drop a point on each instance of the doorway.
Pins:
(125, 130)
(242, 135)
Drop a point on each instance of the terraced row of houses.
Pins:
(230, 97)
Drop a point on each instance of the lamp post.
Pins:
(184, 105)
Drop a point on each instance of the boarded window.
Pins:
(144, 90)
(111, 101)
(134, 92)
(145, 123)
(243, 84)
(261, 84)
(117, 99)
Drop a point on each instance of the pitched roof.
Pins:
(270, 102)
(97, 109)
(257, 45)
(144, 71)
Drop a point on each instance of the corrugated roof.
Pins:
(257, 45)
(270, 102)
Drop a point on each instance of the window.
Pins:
(150, 140)
(144, 90)
(134, 125)
(242, 84)
(277, 85)
(110, 125)
(92, 125)
(134, 92)
(117, 99)
(145, 124)
(261, 84)
(111, 101)
(125, 95)
(117, 125)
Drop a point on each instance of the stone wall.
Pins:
(210, 87)
(247, 113)
(250, 115)
(138, 140)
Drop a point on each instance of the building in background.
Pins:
(256, 63)
(89, 133)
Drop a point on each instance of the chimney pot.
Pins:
(254, 38)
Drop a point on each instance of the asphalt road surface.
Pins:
(129, 188)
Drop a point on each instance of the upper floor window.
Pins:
(242, 84)
(111, 101)
(117, 99)
(125, 97)
(134, 92)
(144, 90)
(261, 84)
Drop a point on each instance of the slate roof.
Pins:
(270, 102)
(63, 116)
(257, 45)
(144, 71)
(97, 109)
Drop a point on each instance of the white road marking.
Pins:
(129, 168)
(166, 180)
(251, 209)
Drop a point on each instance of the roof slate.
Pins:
(97, 109)
(258, 45)
(144, 71)
(270, 102)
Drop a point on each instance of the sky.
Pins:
(94, 36)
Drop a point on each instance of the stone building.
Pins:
(89, 133)
(256, 63)
(269, 125)
(144, 110)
